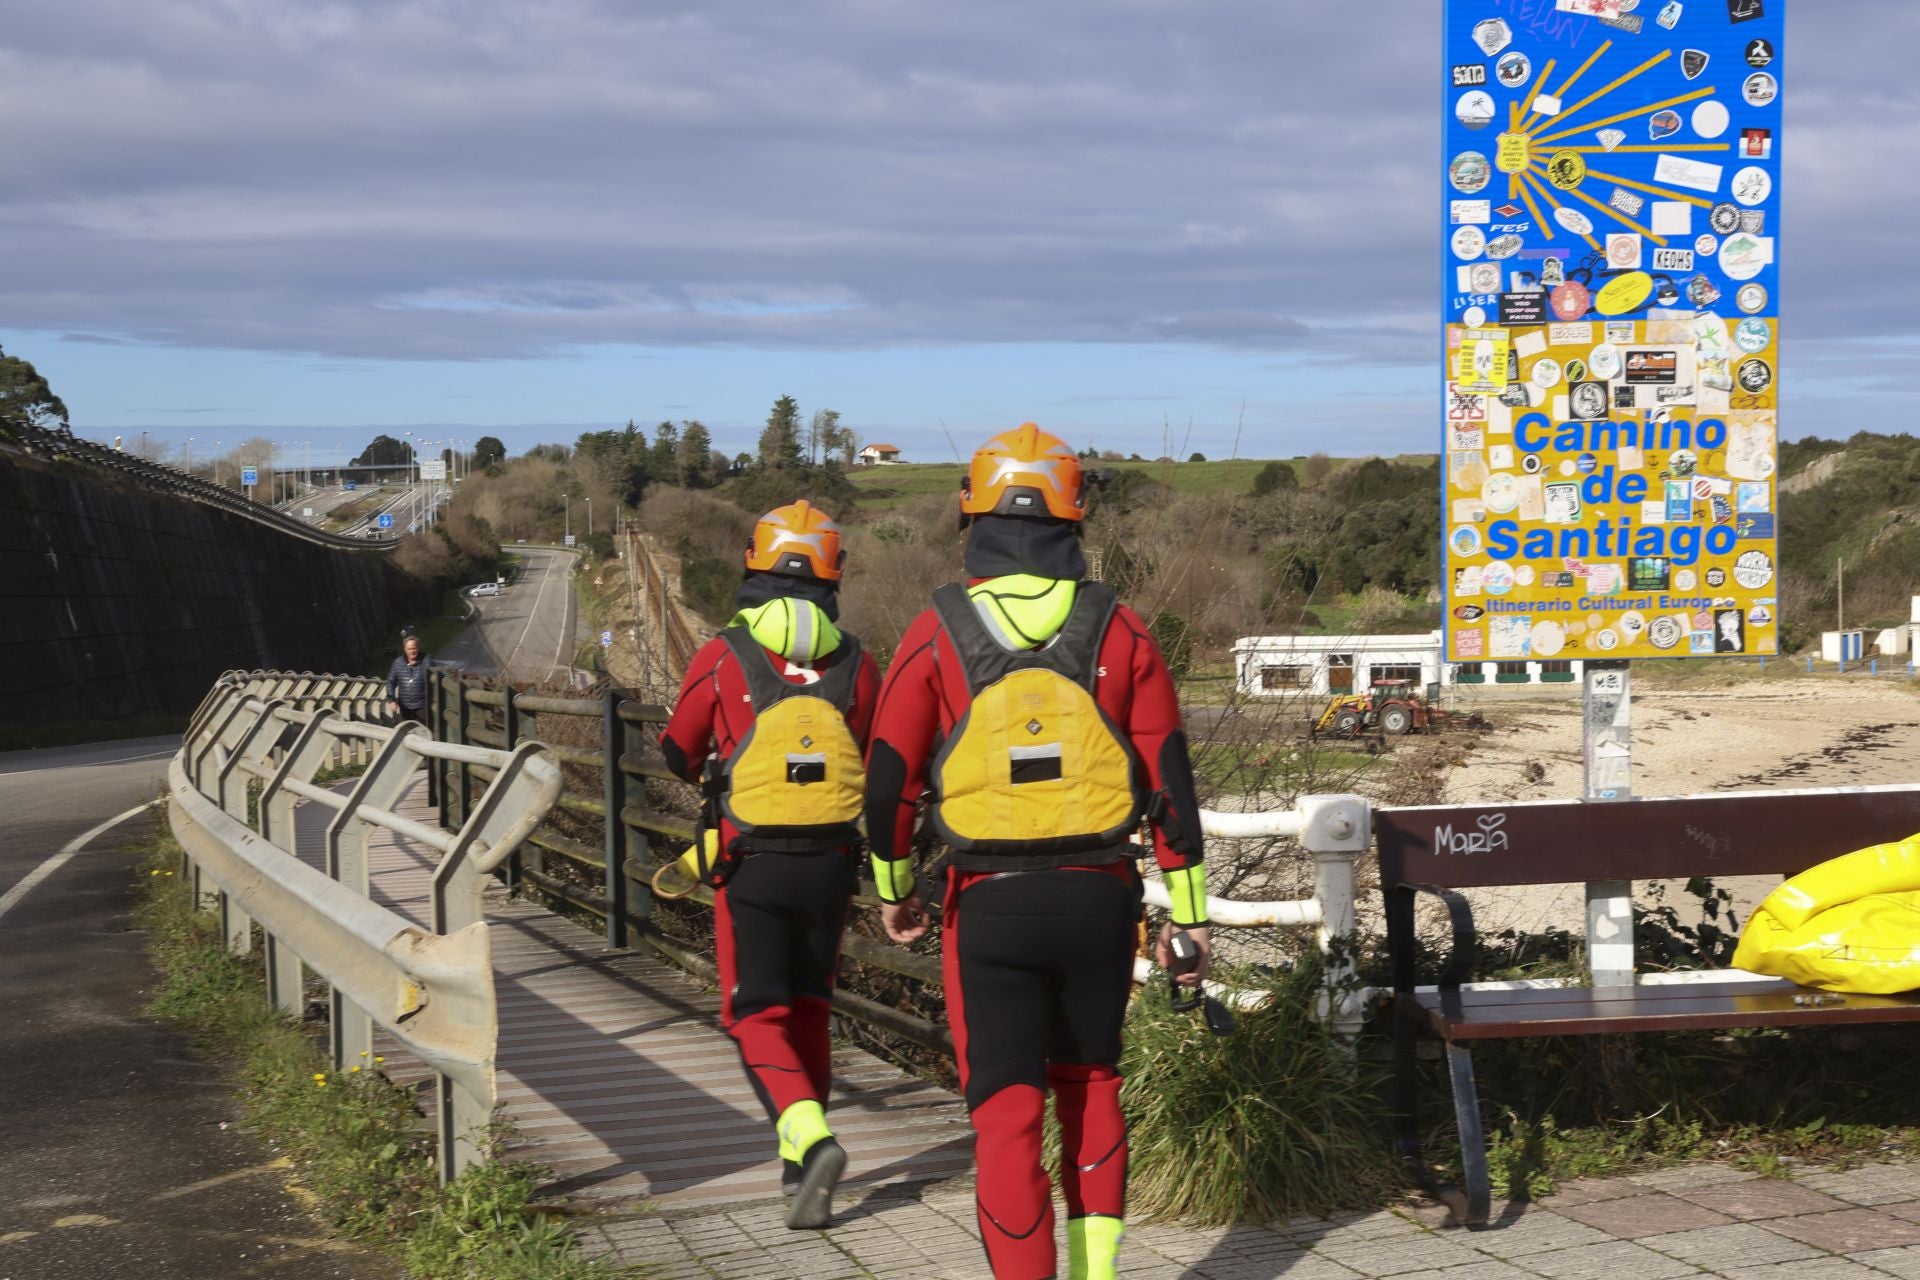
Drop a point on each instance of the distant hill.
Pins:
(1856, 500)
(883, 488)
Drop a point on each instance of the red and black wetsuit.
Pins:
(1037, 964)
(778, 919)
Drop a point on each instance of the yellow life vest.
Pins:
(1849, 924)
(796, 782)
(1034, 774)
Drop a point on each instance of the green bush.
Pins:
(1277, 1120)
(708, 584)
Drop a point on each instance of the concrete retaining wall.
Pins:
(117, 601)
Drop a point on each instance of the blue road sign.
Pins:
(386, 520)
(249, 476)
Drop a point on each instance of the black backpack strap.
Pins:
(767, 686)
(764, 685)
(836, 683)
(1079, 641)
(1074, 651)
(979, 652)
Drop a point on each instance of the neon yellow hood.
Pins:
(797, 630)
(1024, 611)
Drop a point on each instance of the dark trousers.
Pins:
(777, 926)
(1038, 968)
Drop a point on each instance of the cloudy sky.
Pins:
(530, 216)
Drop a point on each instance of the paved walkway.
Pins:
(1860, 1224)
(613, 1070)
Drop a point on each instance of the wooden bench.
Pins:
(1441, 850)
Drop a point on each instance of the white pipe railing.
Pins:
(1334, 831)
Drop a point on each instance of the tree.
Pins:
(696, 455)
(822, 432)
(1275, 477)
(25, 398)
(385, 451)
(1197, 456)
(780, 441)
(487, 451)
(1319, 466)
(665, 459)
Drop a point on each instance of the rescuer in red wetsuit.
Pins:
(777, 708)
(1035, 716)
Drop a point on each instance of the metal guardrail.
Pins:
(63, 446)
(640, 831)
(431, 989)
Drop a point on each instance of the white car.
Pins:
(485, 589)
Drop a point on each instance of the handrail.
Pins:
(61, 445)
(431, 987)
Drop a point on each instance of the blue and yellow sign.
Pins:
(1611, 298)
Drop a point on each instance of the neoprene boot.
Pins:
(803, 1130)
(1093, 1247)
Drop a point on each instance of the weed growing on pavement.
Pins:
(355, 1140)
(1277, 1120)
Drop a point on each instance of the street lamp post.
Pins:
(566, 527)
(589, 515)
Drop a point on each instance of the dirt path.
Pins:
(1807, 732)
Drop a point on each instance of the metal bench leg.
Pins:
(1473, 1138)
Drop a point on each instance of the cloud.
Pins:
(377, 180)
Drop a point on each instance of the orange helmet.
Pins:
(1024, 472)
(797, 539)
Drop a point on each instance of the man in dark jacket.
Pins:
(407, 682)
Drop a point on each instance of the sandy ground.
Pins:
(1804, 732)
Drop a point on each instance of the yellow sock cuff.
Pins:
(1093, 1247)
(801, 1125)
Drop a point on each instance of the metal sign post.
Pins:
(1606, 719)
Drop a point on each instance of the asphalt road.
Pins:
(124, 1157)
(531, 630)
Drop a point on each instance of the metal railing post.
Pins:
(1335, 831)
(464, 771)
(633, 843)
(436, 723)
(614, 793)
(510, 730)
(348, 836)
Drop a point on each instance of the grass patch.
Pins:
(354, 1139)
(73, 732)
(1270, 1122)
(348, 514)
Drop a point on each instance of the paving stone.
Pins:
(1591, 1191)
(1690, 1176)
(1873, 1184)
(1741, 1244)
(1609, 1261)
(1761, 1198)
(1904, 1263)
(1397, 1257)
(1485, 1269)
(1849, 1230)
(1532, 1233)
(1811, 1269)
(1648, 1215)
(1910, 1210)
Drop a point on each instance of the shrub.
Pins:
(1273, 478)
(1277, 1120)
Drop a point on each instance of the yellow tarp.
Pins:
(1851, 924)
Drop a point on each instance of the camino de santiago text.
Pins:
(1602, 604)
(1617, 537)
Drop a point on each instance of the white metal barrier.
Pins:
(1335, 832)
(432, 989)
